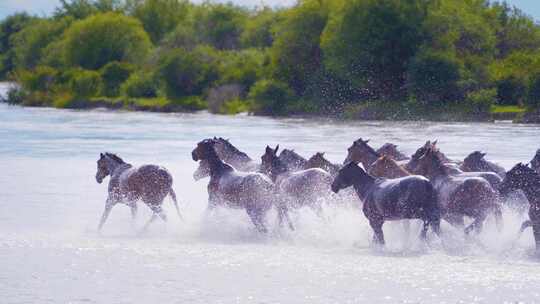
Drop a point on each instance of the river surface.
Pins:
(50, 204)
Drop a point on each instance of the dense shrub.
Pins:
(188, 73)
(95, 41)
(434, 78)
(270, 97)
(533, 96)
(511, 91)
(85, 83)
(140, 85)
(42, 78)
(480, 102)
(113, 75)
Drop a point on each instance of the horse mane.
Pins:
(293, 154)
(231, 147)
(115, 157)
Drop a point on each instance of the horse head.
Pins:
(204, 150)
(430, 163)
(520, 176)
(348, 175)
(361, 152)
(535, 162)
(106, 164)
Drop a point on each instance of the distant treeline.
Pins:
(360, 58)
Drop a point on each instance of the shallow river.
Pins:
(50, 205)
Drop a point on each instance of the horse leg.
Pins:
(536, 232)
(256, 219)
(150, 221)
(109, 204)
(476, 225)
(283, 215)
(172, 194)
(376, 224)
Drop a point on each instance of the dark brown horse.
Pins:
(535, 162)
(128, 184)
(319, 161)
(229, 154)
(460, 195)
(526, 179)
(253, 192)
(411, 197)
(476, 162)
(388, 168)
(391, 150)
(300, 188)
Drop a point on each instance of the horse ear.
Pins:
(435, 142)
(101, 155)
(483, 154)
(367, 140)
(277, 148)
(268, 149)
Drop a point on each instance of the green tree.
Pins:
(80, 9)
(29, 44)
(10, 26)
(371, 42)
(270, 97)
(258, 29)
(97, 40)
(113, 75)
(220, 25)
(160, 17)
(188, 73)
(296, 54)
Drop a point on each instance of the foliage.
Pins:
(106, 37)
(188, 73)
(113, 75)
(160, 17)
(480, 101)
(219, 25)
(85, 83)
(533, 95)
(8, 28)
(140, 85)
(42, 78)
(270, 97)
(510, 91)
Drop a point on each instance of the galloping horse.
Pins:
(388, 168)
(535, 162)
(229, 154)
(475, 162)
(301, 188)
(526, 179)
(459, 195)
(319, 161)
(411, 197)
(391, 150)
(128, 184)
(253, 192)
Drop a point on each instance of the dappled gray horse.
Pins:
(391, 150)
(411, 197)
(253, 192)
(319, 161)
(460, 195)
(526, 179)
(293, 160)
(128, 184)
(300, 188)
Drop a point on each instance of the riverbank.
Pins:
(362, 111)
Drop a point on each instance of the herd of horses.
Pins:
(390, 185)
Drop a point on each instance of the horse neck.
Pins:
(532, 191)
(217, 166)
(114, 166)
(278, 169)
(362, 183)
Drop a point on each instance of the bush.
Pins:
(188, 73)
(140, 85)
(511, 91)
(533, 96)
(85, 83)
(434, 78)
(15, 95)
(270, 97)
(95, 41)
(113, 75)
(479, 102)
(42, 78)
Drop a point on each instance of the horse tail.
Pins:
(175, 201)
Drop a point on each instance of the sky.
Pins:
(44, 7)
